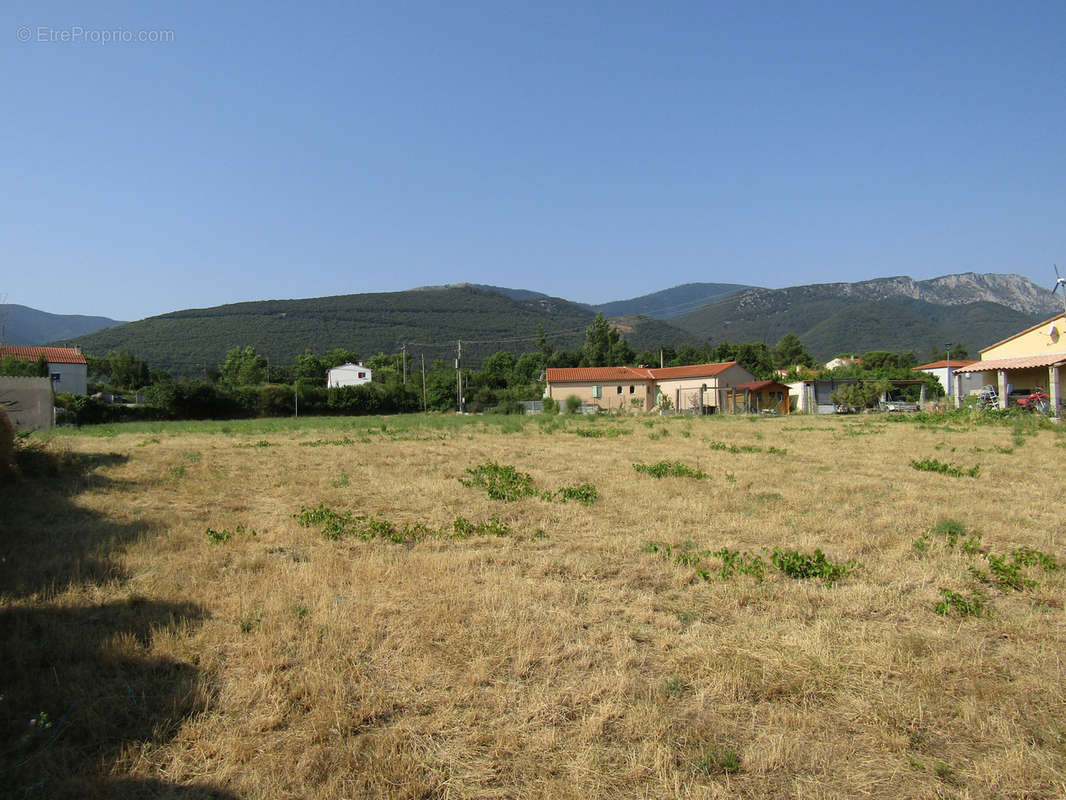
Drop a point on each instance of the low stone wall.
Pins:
(27, 401)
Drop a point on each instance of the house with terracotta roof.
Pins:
(1030, 359)
(66, 365)
(945, 372)
(699, 387)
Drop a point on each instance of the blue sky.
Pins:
(593, 151)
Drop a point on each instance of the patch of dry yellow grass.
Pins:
(577, 665)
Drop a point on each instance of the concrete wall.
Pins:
(28, 401)
(69, 378)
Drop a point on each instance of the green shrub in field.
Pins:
(573, 403)
(972, 606)
(674, 469)
(584, 493)
(504, 482)
(224, 535)
(501, 481)
(340, 525)
(945, 468)
(549, 406)
(800, 565)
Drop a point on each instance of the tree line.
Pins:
(246, 384)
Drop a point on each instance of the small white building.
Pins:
(348, 375)
(945, 372)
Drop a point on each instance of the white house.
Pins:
(348, 375)
(947, 371)
(66, 365)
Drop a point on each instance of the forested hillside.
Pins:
(28, 326)
(831, 325)
(430, 321)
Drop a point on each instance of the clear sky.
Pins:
(595, 151)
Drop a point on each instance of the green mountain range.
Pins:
(22, 325)
(672, 304)
(430, 321)
(896, 314)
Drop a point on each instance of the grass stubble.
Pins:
(568, 664)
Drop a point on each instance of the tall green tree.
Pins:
(126, 370)
(605, 346)
(243, 367)
(790, 352)
(309, 367)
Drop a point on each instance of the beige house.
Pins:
(1023, 362)
(699, 387)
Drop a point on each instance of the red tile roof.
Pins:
(1017, 362)
(574, 374)
(53, 355)
(607, 374)
(692, 371)
(955, 362)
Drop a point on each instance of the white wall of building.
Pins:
(348, 375)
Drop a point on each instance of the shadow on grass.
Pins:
(81, 692)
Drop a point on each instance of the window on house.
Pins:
(632, 389)
(57, 377)
(597, 391)
(619, 390)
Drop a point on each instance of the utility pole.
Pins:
(403, 355)
(424, 383)
(459, 377)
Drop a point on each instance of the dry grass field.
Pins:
(171, 629)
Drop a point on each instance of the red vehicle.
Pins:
(1038, 400)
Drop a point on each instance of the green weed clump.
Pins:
(674, 469)
(800, 565)
(225, 534)
(464, 528)
(951, 533)
(733, 561)
(945, 468)
(972, 606)
(584, 493)
(504, 482)
(501, 481)
(716, 762)
(600, 433)
(337, 525)
(746, 448)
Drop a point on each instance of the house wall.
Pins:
(72, 378)
(347, 376)
(1034, 342)
(971, 381)
(684, 392)
(610, 399)
(28, 402)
